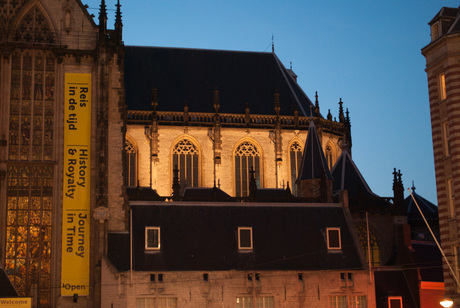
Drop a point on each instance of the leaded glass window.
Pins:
(34, 27)
(32, 106)
(28, 236)
(295, 159)
(373, 245)
(186, 159)
(131, 164)
(247, 160)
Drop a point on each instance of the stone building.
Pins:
(93, 132)
(443, 72)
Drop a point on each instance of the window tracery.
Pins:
(9, 8)
(329, 156)
(32, 106)
(295, 159)
(186, 158)
(373, 245)
(34, 27)
(131, 164)
(247, 159)
(28, 238)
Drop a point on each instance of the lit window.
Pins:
(339, 301)
(186, 159)
(333, 239)
(247, 159)
(244, 238)
(395, 302)
(295, 159)
(260, 302)
(442, 86)
(131, 164)
(357, 301)
(152, 238)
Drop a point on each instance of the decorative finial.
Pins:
(102, 17)
(341, 115)
(329, 115)
(316, 104)
(273, 43)
(413, 187)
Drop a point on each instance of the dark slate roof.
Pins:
(204, 237)
(6, 287)
(426, 206)
(347, 176)
(143, 194)
(450, 18)
(429, 260)
(192, 75)
(205, 194)
(314, 164)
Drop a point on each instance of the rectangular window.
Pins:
(338, 301)
(244, 238)
(445, 138)
(435, 31)
(442, 86)
(357, 301)
(333, 239)
(260, 302)
(395, 302)
(152, 238)
(162, 302)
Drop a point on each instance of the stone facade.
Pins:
(443, 72)
(223, 288)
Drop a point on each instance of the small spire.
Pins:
(118, 21)
(277, 102)
(273, 43)
(316, 104)
(154, 102)
(102, 17)
(329, 115)
(291, 65)
(341, 115)
(413, 187)
(216, 100)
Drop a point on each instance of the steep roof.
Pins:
(314, 164)
(347, 176)
(450, 19)
(205, 237)
(425, 206)
(191, 75)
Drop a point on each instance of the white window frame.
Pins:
(399, 298)
(147, 229)
(329, 247)
(239, 238)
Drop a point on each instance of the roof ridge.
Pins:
(198, 49)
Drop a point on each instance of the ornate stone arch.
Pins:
(33, 25)
(294, 154)
(131, 152)
(247, 154)
(186, 154)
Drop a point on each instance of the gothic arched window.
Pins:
(186, 159)
(131, 164)
(372, 244)
(30, 176)
(247, 158)
(34, 27)
(295, 159)
(329, 156)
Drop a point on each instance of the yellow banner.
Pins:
(76, 194)
(16, 302)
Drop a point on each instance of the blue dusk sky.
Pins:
(366, 52)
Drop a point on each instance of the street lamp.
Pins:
(446, 302)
